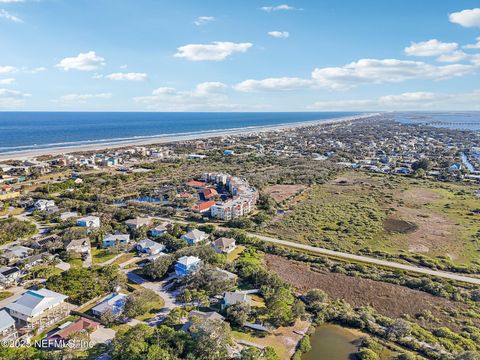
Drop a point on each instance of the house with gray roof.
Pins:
(237, 297)
(194, 236)
(8, 332)
(38, 309)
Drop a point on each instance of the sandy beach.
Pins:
(33, 153)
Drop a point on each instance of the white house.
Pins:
(114, 302)
(38, 309)
(68, 215)
(159, 230)
(149, 247)
(7, 327)
(135, 224)
(44, 205)
(78, 246)
(194, 236)
(237, 297)
(9, 276)
(224, 245)
(89, 222)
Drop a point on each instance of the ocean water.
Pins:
(468, 120)
(38, 130)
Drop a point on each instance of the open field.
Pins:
(283, 192)
(388, 299)
(358, 211)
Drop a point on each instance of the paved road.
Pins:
(370, 260)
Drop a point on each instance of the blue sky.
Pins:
(244, 55)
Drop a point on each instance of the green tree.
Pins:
(140, 302)
(238, 313)
(158, 268)
(367, 354)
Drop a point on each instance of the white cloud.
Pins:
(202, 20)
(127, 76)
(406, 101)
(217, 51)
(88, 61)
(82, 98)
(273, 84)
(364, 71)
(455, 56)
(430, 48)
(205, 96)
(7, 69)
(210, 87)
(381, 71)
(279, 34)
(473, 46)
(36, 70)
(283, 7)
(7, 81)
(4, 14)
(12, 98)
(466, 18)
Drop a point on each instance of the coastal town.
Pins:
(181, 244)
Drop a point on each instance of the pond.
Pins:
(333, 342)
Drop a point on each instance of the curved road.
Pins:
(370, 260)
(359, 258)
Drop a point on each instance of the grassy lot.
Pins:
(257, 301)
(75, 262)
(101, 255)
(385, 213)
(235, 253)
(123, 258)
(5, 294)
(156, 308)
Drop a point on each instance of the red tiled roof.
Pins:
(79, 325)
(203, 206)
(209, 193)
(195, 183)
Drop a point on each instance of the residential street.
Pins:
(160, 289)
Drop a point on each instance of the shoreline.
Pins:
(169, 138)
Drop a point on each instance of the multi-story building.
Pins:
(243, 201)
(38, 309)
(8, 332)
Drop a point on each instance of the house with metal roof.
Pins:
(114, 302)
(38, 309)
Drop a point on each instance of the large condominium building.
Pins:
(232, 209)
(244, 196)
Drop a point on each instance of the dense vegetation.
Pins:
(84, 284)
(12, 229)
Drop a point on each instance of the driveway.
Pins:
(102, 335)
(62, 265)
(159, 288)
(88, 261)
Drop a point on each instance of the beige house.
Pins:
(38, 309)
(224, 245)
